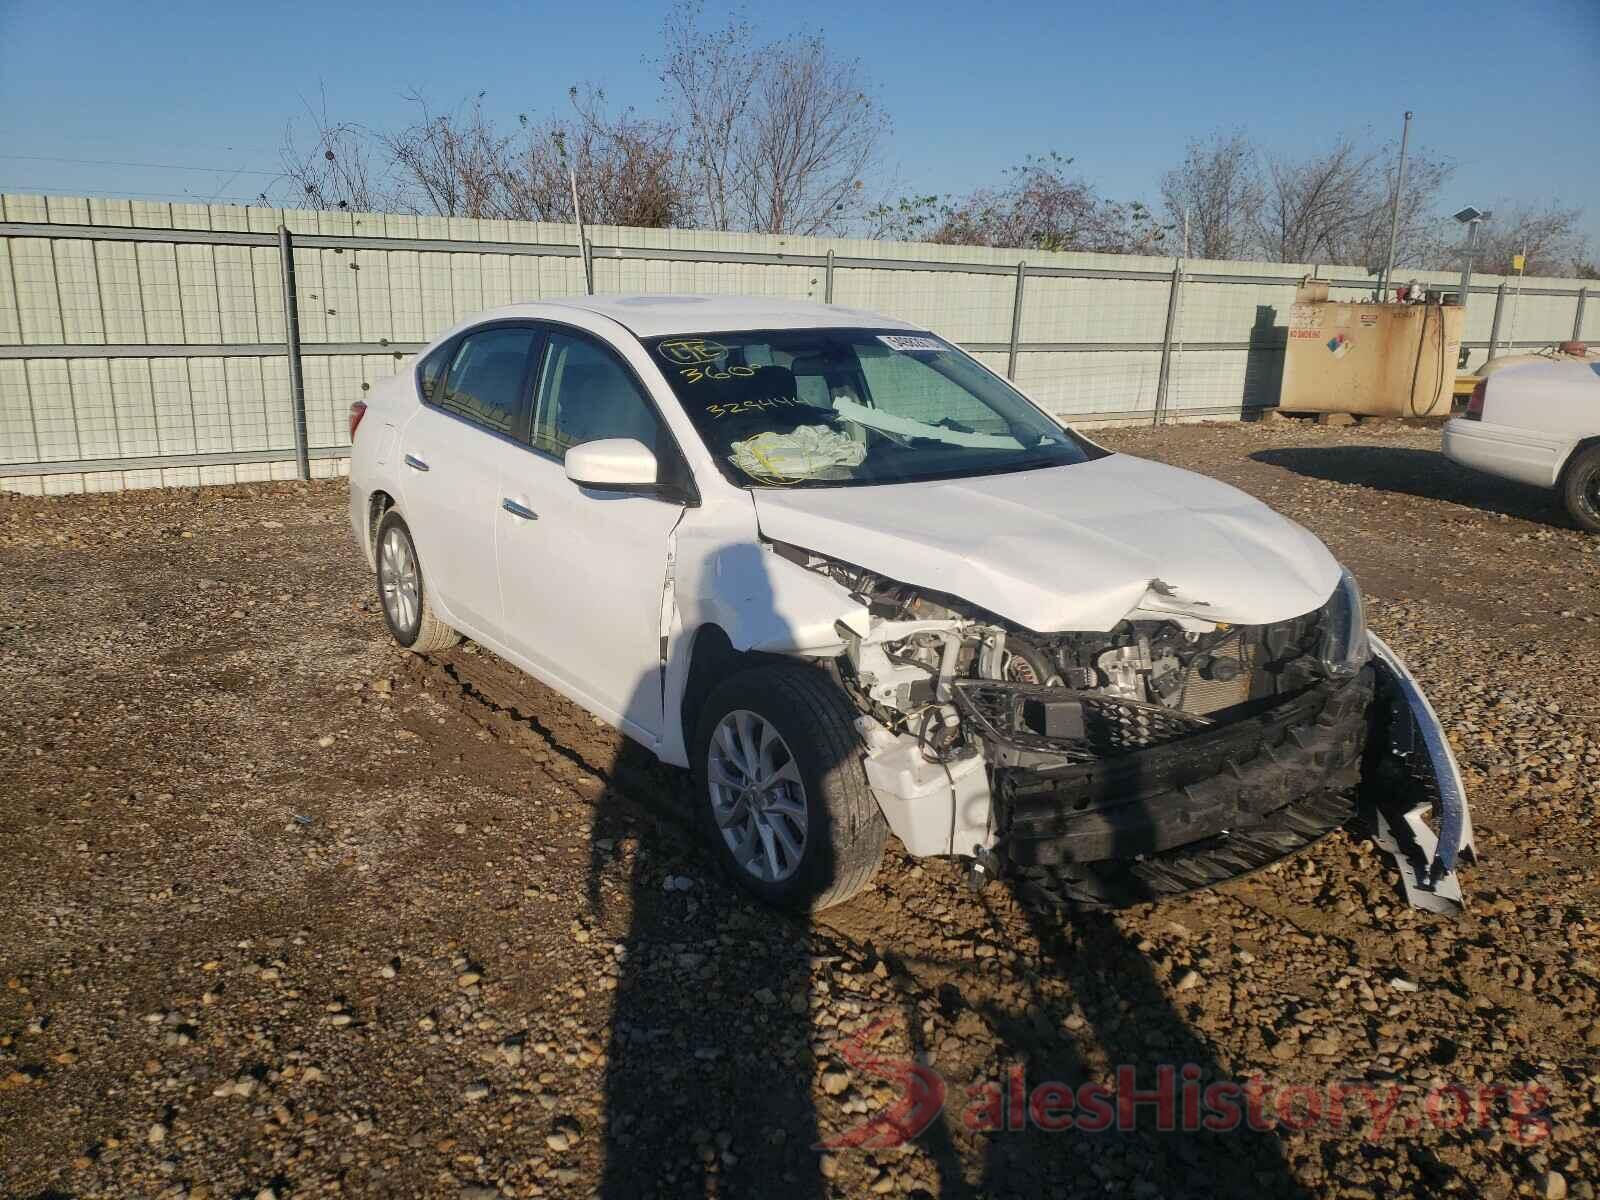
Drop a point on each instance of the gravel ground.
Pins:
(291, 913)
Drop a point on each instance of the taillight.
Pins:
(1475, 401)
(359, 410)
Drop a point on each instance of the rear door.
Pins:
(582, 579)
(451, 454)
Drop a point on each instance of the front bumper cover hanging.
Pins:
(1420, 775)
(1178, 808)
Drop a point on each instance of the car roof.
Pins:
(1570, 370)
(655, 316)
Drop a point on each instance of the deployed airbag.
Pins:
(806, 453)
(906, 427)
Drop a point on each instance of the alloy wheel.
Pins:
(398, 580)
(757, 797)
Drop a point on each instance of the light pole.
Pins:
(1471, 218)
(1394, 216)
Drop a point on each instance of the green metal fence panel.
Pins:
(144, 344)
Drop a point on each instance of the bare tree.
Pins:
(454, 162)
(628, 167)
(1314, 207)
(458, 163)
(1218, 187)
(1335, 206)
(1415, 243)
(1036, 205)
(339, 167)
(1550, 239)
(709, 79)
(780, 135)
(814, 132)
(775, 137)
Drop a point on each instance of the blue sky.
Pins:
(1511, 91)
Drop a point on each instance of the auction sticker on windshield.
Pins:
(908, 341)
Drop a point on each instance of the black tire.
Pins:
(423, 632)
(845, 830)
(1580, 488)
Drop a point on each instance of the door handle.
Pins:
(519, 510)
(415, 463)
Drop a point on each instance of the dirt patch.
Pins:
(291, 911)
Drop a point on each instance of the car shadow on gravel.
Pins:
(1136, 1035)
(1427, 474)
(1131, 1027)
(709, 1067)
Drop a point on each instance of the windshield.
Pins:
(843, 407)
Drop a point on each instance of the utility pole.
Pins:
(1520, 262)
(1472, 224)
(291, 345)
(1394, 216)
(583, 238)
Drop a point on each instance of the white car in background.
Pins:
(1537, 423)
(859, 584)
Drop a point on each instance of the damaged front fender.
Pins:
(1413, 772)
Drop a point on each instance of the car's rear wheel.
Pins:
(781, 790)
(403, 593)
(1580, 488)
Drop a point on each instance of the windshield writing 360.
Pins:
(842, 407)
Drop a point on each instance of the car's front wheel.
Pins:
(1580, 488)
(781, 789)
(403, 593)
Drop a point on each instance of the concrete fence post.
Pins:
(827, 280)
(1016, 321)
(1165, 373)
(1577, 317)
(1494, 326)
(291, 344)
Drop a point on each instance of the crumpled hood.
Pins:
(1070, 548)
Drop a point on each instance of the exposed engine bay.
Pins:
(1170, 751)
(951, 675)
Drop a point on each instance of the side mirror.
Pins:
(619, 464)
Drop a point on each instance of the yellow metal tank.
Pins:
(1393, 360)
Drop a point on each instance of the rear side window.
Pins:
(487, 379)
(431, 369)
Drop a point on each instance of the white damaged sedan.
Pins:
(860, 584)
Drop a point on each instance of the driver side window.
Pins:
(586, 394)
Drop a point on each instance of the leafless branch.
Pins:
(336, 168)
(629, 169)
(1550, 239)
(780, 136)
(1038, 205)
(1218, 188)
